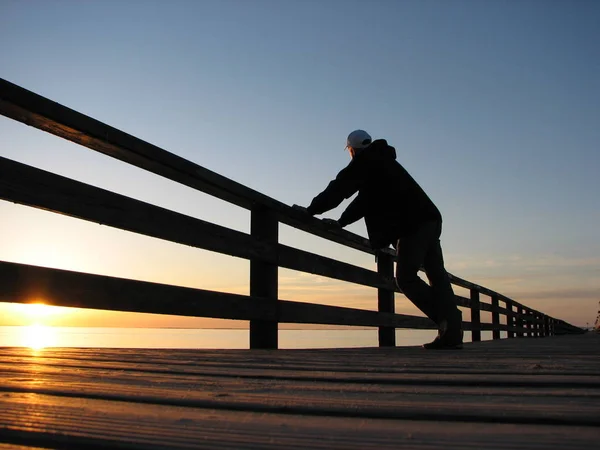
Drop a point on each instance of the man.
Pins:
(398, 212)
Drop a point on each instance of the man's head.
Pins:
(357, 140)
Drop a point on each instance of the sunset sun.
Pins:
(38, 336)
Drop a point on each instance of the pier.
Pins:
(536, 384)
(509, 393)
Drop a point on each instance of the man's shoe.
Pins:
(447, 339)
(443, 344)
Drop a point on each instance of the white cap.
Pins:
(358, 139)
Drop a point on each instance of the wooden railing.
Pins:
(264, 310)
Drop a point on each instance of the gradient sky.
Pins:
(493, 106)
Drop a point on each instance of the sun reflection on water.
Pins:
(38, 336)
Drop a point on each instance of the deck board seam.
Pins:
(319, 412)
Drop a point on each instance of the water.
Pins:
(39, 336)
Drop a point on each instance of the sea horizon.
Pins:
(43, 336)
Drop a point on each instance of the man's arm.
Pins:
(344, 186)
(355, 211)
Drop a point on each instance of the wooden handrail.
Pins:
(27, 185)
(30, 186)
(39, 112)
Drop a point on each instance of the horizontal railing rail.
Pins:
(39, 112)
(22, 283)
(34, 187)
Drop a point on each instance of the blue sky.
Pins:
(493, 106)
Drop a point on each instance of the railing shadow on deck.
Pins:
(30, 186)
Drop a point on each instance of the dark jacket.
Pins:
(389, 199)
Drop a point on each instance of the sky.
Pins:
(493, 106)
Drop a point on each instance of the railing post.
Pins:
(510, 319)
(529, 323)
(385, 299)
(520, 323)
(495, 318)
(263, 277)
(531, 316)
(475, 316)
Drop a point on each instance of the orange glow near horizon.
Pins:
(39, 309)
(37, 313)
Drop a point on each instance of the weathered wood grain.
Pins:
(542, 392)
(124, 425)
(568, 354)
(334, 400)
(20, 447)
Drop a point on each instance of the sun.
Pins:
(37, 336)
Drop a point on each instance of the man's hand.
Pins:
(300, 209)
(331, 223)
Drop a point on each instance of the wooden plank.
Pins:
(298, 312)
(472, 367)
(77, 422)
(179, 371)
(94, 380)
(19, 447)
(23, 283)
(555, 361)
(348, 384)
(318, 399)
(510, 374)
(98, 377)
(39, 112)
(34, 187)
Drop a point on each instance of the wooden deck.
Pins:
(533, 393)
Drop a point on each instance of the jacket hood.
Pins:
(380, 149)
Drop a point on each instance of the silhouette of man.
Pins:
(397, 212)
